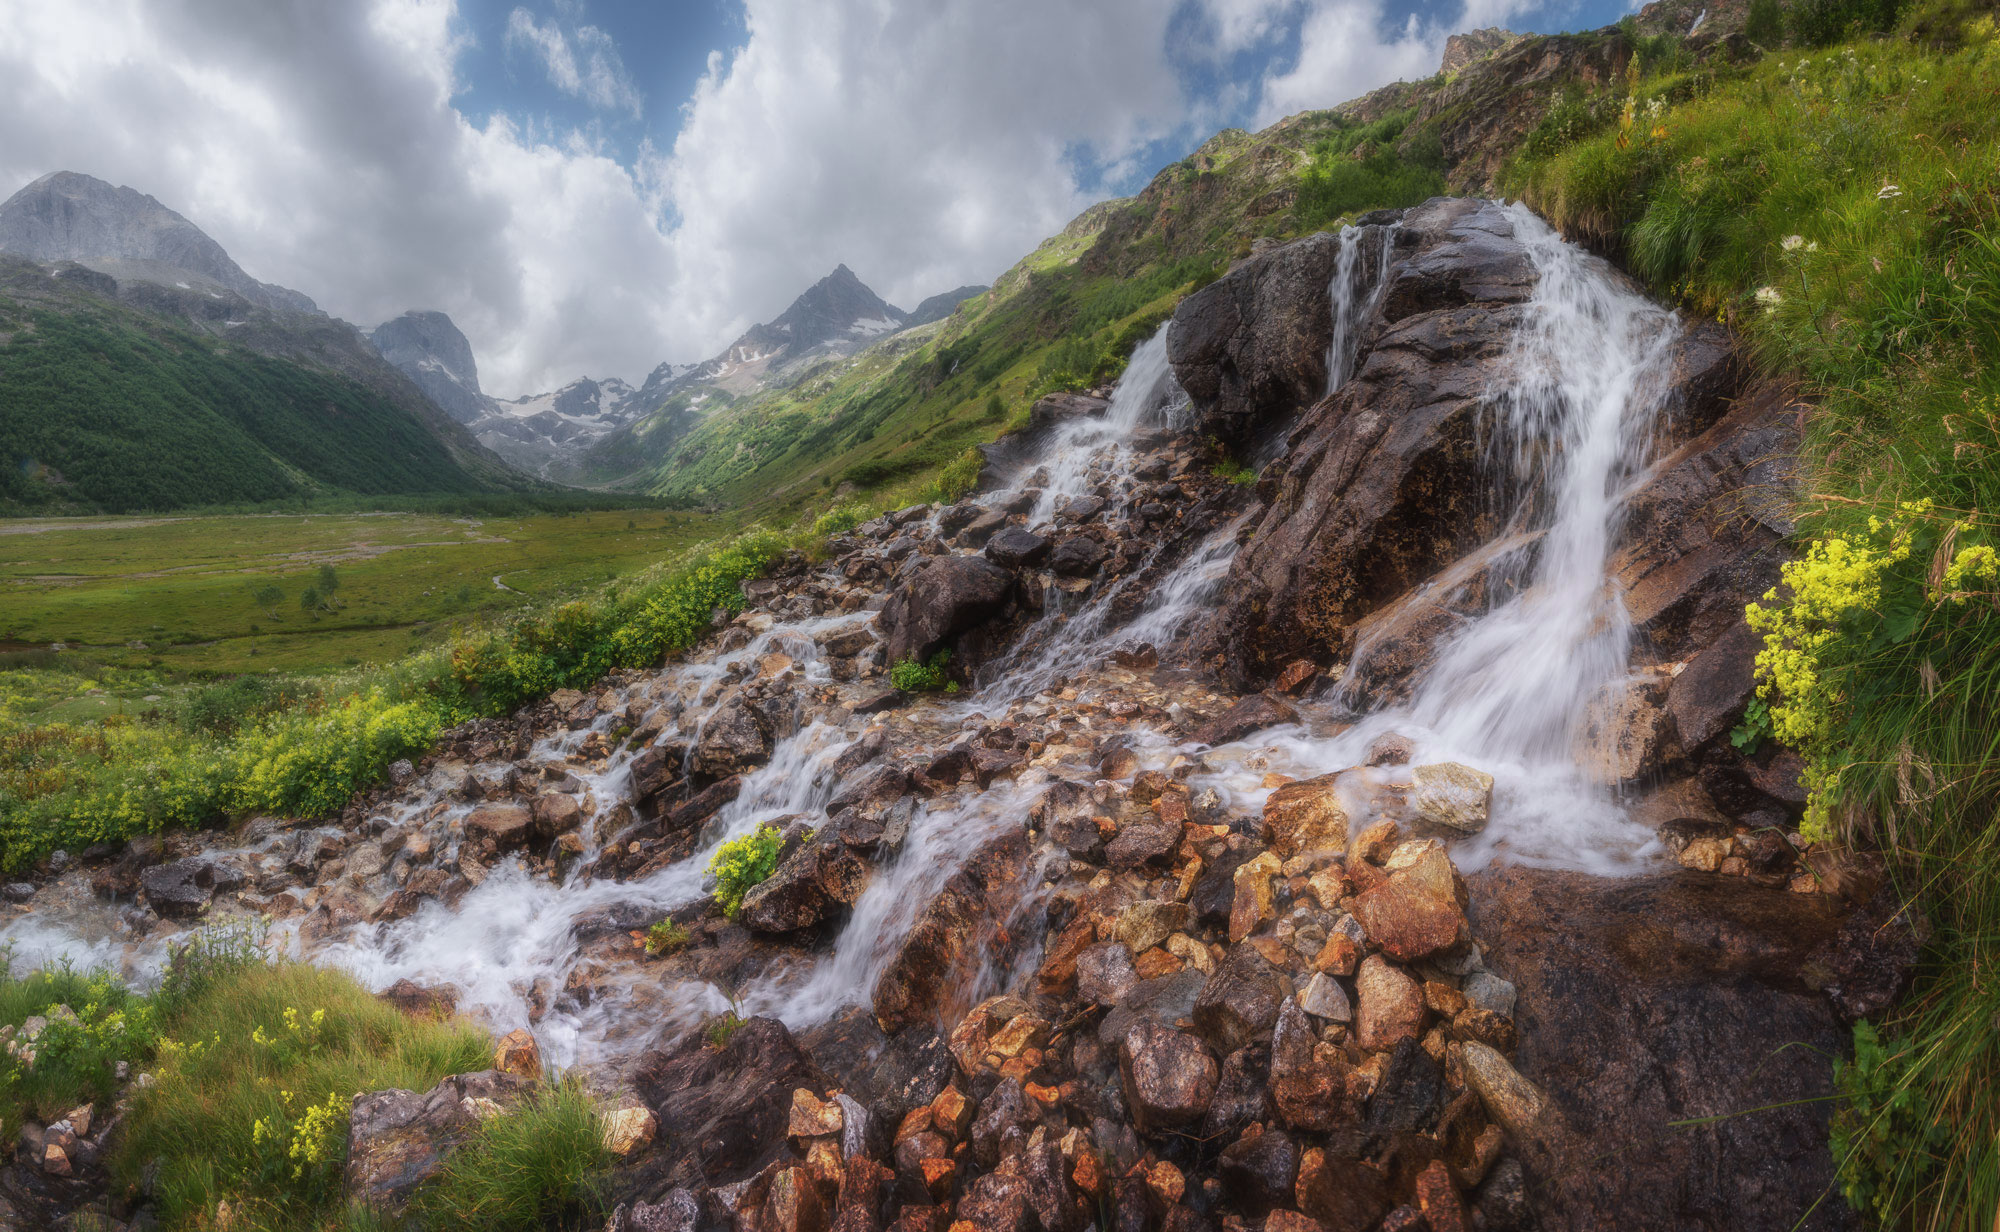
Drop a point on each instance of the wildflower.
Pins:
(1768, 297)
(1887, 191)
(1792, 243)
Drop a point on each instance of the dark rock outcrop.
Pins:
(947, 596)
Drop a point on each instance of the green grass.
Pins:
(542, 1166)
(221, 594)
(1840, 206)
(76, 1056)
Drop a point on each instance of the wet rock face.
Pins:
(397, 1140)
(947, 596)
(1654, 1000)
(725, 1109)
(1250, 348)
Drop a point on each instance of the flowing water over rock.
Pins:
(1184, 880)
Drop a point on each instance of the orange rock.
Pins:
(518, 1054)
(1088, 1174)
(1166, 1183)
(950, 1114)
(1439, 1199)
(1339, 956)
(1443, 999)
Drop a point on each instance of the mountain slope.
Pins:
(128, 405)
(429, 349)
(68, 216)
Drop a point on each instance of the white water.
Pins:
(1084, 450)
(1572, 427)
(1350, 305)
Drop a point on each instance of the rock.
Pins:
(500, 827)
(1410, 921)
(732, 742)
(1867, 967)
(421, 1000)
(1239, 1003)
(519, 1055)
(554, 813)
(946, 597)
(1707, 698)
(1168, 1076)
(981, 529)
(397, 1140)
(1077, 556)
(1344, 1195)
(1389, 749)
(706, 803)
(1438, 1198)
(1142, 843)
(1391, 1005)
(1104, 973)
(1627, 736)
(1258, 1171)
(1384, 483)
(1510, 1099)
(1297, 677)
(628, 1130)
(1006, 1111)
(183, 889)
(1456, 797)
(1250, 348)
(1247, 714)
(1323, 997)
(679, 1211)
(1305, 817)
(1503, 1199)
(1017, 547)
(18, 891)
(1409, 1094)
(821, 879)
(946, 944)
(1489, 992)
(1645, 1001)
(1251, 903)
(1150, 922)
(1310, 1081)
(726, 1109)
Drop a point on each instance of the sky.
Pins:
(593, 187)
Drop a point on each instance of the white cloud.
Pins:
(600, 79)
(924, 144)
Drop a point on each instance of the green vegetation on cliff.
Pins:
(1837, 202)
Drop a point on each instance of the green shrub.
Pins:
(666, 937)
(842, 517)
(92, 1023)
(542, 1165)
(1764, 24)
(741, 864)
(912, 676)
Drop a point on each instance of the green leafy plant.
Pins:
(1235, 472)
(913, 676)
(741, 864)
(1750, 734)
(666, 937)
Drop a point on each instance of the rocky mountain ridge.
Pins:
(68, 216)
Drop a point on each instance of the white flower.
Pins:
(1887, 191)
(1792, 243)
(1769, 298)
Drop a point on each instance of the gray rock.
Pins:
(1489, 992)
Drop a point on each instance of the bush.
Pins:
(912, 676)
(92, 1023)
(542, 1165)
(741, 864)
(666, 937)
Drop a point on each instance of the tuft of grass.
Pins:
(666, 937)
(542, 1165)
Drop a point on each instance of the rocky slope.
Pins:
(1108, 937)
(67, 216)
(429, 349)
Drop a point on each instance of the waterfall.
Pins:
(1087, 446)
(1350, 305)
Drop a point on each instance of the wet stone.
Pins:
(1456, 797)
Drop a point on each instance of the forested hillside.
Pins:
(109, 407)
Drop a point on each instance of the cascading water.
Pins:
(1086, 446)
(1588, 375)
(1350, 305)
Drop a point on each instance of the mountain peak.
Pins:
(71, 216)
(433, 352)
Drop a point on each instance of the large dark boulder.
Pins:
(1646, 1004)
(724, 1109)
(814, 884)
(945, 597)
(1250, 348)
(183, 889)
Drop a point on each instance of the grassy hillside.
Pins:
(105, 406)
(1067, 316)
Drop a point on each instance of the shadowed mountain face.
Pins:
(67, 216)
(938, 307)
(432, 352)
